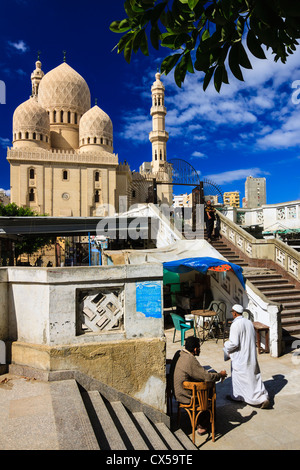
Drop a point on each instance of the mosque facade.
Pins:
(62, 160)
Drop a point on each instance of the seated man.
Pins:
(188, 368)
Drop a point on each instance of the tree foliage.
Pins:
(209, 36)
(27, 244)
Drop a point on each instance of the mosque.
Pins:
(62, 160)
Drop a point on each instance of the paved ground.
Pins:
(26, 411)
(243, 427)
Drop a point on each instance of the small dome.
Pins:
(31, 122)
(64, 88)
(95, 127)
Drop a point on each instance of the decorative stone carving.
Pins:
(101, 310)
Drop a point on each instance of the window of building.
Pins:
(69, 117)
(34, 136)
(61, 116)
(41, 136)
(31, 195)
(97, 176)
(31, 173)
(95, 140)
(75, 118)
(26, 135)
(65, 174)
(97, 196)
(54, 116)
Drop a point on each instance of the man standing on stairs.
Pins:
(247, 384)
(209, 217)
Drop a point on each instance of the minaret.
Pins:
(158, 137)
(36, 77)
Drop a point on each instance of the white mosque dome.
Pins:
(31, 124)
(64, 89)
(95, 128)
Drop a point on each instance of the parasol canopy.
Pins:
(203, 265)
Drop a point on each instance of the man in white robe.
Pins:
(247, 384)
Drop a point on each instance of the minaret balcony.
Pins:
(158, 136)
(158, 110)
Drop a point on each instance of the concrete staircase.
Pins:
(86, 420)
(275, 286)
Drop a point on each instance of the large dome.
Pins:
(96, 127)
(64, 88)
(31, 122)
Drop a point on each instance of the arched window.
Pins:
(41, 136)
(31, 173)
(61, 116)
(20, 135)
(160, 155)
(95, 140)
(34, 136)
(89, 140)
(97, 196)
(65, 174)
(75, 118)
(155, 155)
(97, 174)
(54, 116)
(31, 195)
(26, 135)
(69, 117)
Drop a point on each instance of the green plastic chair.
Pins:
(182, 325)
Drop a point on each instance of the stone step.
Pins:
(73, 426)
(117, 428)
(267, 286)
(291, 312)
(281, 292)
(285, 299)
(155, 440)
(105, 429)
(130, 430)
(289, 321)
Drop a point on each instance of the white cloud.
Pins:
(4, 142)
(19, 46)
(235, 175)
(198, 154)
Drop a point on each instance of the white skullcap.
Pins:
(238, 308)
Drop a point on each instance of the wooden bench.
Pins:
(259, 328)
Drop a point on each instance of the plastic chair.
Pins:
(182, 325)
(203, 398)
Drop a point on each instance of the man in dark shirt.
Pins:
(209, 216)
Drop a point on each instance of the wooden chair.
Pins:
(203, 398)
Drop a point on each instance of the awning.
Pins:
(203, 265)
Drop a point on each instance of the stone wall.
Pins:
(98, 320)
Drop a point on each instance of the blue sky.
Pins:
(250, 128)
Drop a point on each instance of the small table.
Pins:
(260, 327)
(210, 314)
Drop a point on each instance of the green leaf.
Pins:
(120, 26)
(169, 63)
(128, 50)
(254, 45)
(192, 4)
(243, 58)
(233, 61)
(218, 78)
(208, 77)
(155, 36)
